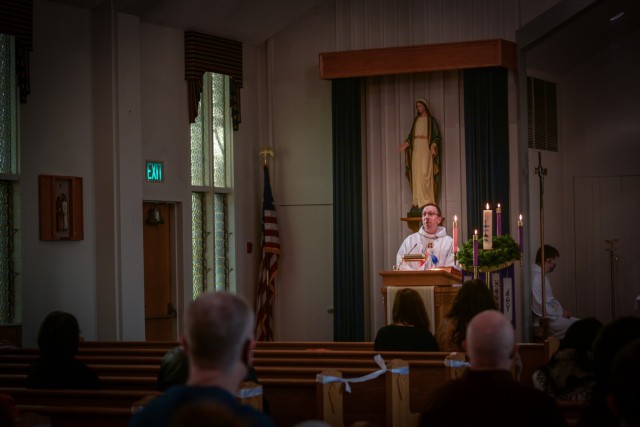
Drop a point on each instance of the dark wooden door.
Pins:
(159, 298)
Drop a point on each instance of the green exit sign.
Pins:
(154, 171)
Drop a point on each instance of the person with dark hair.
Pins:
(174, 369)
(218, 342)
(559, 318)
(611, 339)
(410, 328)
(570, 372)
(624, 394)
(473, 297)
(487, 393)
(57, 366)
(431, 240)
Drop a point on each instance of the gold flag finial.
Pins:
(266, 153)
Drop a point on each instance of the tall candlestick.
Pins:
(487, 229)
(498, 220)
(455, 234)
(520, 234)
(475, 248)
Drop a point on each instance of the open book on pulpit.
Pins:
(437, 287)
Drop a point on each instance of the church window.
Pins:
(211, 149)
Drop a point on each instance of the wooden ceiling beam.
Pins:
(418, 59)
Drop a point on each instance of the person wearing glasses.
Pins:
(431, 240)
(559, 318)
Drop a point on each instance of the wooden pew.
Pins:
(331, 397)
(101, 370)
(288, 374)
(74, 416)
(89, 359)
(96, 408)
(110, 398)
(551, 345)
(291, 392)
(283, 357)
(108, 382)
(398, 397)
(532, 356)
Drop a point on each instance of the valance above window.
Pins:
(204, 53)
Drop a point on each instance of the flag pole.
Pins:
(270, 250)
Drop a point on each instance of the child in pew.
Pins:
(57, 366)
(218, 342)
(487, 393)
(410, 328)
(570, 373)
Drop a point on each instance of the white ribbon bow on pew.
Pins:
(325, 379)
(245, 393)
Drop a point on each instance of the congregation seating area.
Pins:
(287, 371)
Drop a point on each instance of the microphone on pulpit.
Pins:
(402, 262)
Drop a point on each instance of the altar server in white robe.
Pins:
(559, 318)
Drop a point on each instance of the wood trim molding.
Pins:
(418, 59)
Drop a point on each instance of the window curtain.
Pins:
(348, 279)
(16, 19)
(204, 53)
(486, 144)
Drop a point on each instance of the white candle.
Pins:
(487, 229)
(498, 220)
(455, 234)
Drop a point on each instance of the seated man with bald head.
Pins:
(487, 393)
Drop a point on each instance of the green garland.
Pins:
(505, 250)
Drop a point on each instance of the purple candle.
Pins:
(498, 220)
(475, 248)
(520, 234)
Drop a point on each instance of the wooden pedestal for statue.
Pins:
(442, 279)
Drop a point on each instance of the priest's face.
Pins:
(431, 218)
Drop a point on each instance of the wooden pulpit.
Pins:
(446, 282)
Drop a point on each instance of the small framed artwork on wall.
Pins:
(60, 207)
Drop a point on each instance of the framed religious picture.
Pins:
(60, 207)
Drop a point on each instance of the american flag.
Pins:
(269, 264)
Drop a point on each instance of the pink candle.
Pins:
(498, 221)
(455, 234)
(520, 234)
(475, 248)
